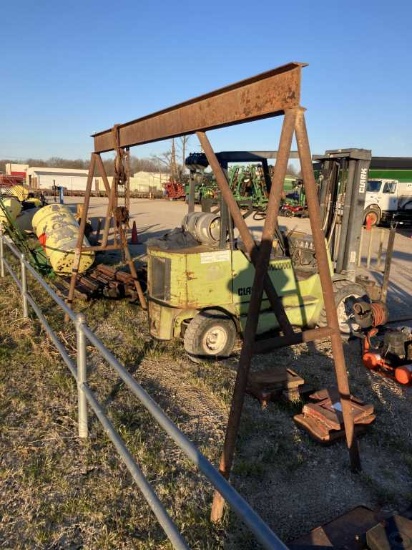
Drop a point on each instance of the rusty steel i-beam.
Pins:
(265, 95)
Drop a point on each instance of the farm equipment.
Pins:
(202, 185)
(389, 352)
(294, 203)
(10, 208)
(249, 184)
(386, 351)
(291, 210)
(174, 190)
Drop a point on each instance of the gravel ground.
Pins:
(313, 484)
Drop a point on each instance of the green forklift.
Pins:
(200, 276)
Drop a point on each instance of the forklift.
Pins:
(200, 276)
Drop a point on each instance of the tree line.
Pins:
(170, 162)
(136, 164)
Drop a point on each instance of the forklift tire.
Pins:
(210, 335)
(374, 215)
(345, 293)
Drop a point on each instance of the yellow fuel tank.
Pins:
(13, 207)
(58, 231)
(21, 192)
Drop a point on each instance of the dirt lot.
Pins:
(294, 483)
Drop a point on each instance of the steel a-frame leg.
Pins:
(120, 236)
(260, 254)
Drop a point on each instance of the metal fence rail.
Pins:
(374, 237)
(378, 252)
(78, 369)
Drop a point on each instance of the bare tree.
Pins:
(292, 170)
(163, 161)
(182, 145)
(167, 161)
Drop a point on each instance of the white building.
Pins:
(16, 169)
(140, 182)
(72, 179)
(148, 182)
(45, 178)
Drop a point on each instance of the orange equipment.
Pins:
(387, 359)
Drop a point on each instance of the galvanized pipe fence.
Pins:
(379, 245)
(78, 369)
(374, 239)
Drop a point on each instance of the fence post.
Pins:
(388, 262)
(378, 265)
(24, 286)
(360, 247)
(1, 252)
(81, 376)
(368, 259)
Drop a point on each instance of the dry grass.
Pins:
(59, 492)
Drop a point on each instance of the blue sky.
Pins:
(69, 69)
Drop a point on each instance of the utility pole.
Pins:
(173, 168)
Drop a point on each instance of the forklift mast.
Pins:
(342, 179)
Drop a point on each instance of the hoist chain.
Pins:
(121, 168)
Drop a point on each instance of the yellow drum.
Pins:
(58, 231)
(21, 192)
(13, 208)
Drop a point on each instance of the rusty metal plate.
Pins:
(346, 531)
(323, 418)
(273, 383)
(394, 532)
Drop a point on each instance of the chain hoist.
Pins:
(121, 179)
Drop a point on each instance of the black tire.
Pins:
(259, 215)
(345, 293)
(287, 213)
(374, 214)
(210, 335)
